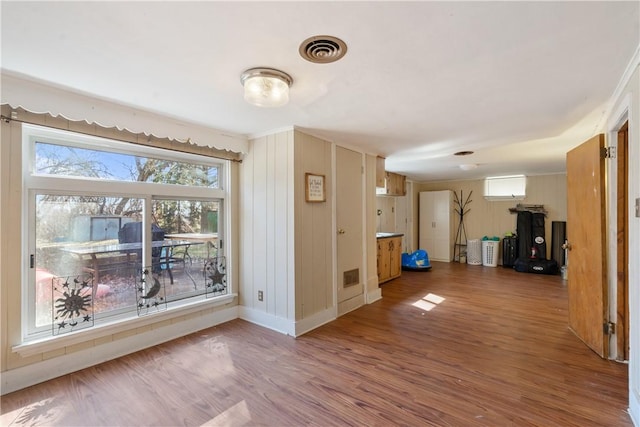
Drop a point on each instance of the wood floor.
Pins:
(496, 351)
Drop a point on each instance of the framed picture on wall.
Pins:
(314, 187)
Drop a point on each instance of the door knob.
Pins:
(566, 245)
(341, 231)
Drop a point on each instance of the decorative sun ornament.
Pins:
(72, 298)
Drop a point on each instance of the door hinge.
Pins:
(608, 152)
(609, 328)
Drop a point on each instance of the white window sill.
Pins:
(51, 343)
(504, 198)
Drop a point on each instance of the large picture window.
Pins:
(117, 231)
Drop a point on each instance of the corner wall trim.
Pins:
(305, 325)
(373, 296)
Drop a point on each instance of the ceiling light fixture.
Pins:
(266, 87)
(468, 166)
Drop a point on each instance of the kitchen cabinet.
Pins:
(436, 224)
(389, 257)
(395, 184)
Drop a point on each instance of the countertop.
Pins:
(381, 235)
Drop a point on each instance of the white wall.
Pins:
(386, 213)
(266, 232)
(393, 214)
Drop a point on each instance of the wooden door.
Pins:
(384, 267)
(587, 286)
(349, 220)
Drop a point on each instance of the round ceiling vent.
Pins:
(322, 49)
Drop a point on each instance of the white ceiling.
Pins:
(518, 83)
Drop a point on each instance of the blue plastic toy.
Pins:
(417, 261)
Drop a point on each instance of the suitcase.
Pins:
(539, 266)
(509, 251)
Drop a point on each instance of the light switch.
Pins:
(637, 208)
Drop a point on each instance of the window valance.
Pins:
(33, 102)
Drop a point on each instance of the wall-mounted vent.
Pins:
(351, 278)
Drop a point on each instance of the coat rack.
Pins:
(461, 234)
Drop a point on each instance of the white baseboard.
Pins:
(286, 326)
(373, 296)
(259, 317)
(351, 304)
(19, 378)
(305, 325)
(374, 292)
(634, 407)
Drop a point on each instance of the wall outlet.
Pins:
(260, 296)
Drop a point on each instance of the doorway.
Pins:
(622, 244)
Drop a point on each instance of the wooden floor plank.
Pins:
(496, 351)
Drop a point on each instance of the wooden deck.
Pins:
(492, 348)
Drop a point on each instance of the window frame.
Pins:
(519, 181)
(34, 184)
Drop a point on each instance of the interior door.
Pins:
(587, 285)
(349, 220)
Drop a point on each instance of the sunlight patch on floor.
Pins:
(219, 357)
(237, 415)
(428, 302)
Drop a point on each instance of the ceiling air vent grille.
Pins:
(322, 49)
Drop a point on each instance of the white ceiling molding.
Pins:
(41, 98)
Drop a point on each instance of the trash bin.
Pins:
(490, 253)
(474, 252)
(509, 251)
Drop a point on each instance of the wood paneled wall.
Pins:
(266, 214)
(373, 290)
(313, 229)
(286, 242)
(489, 218)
